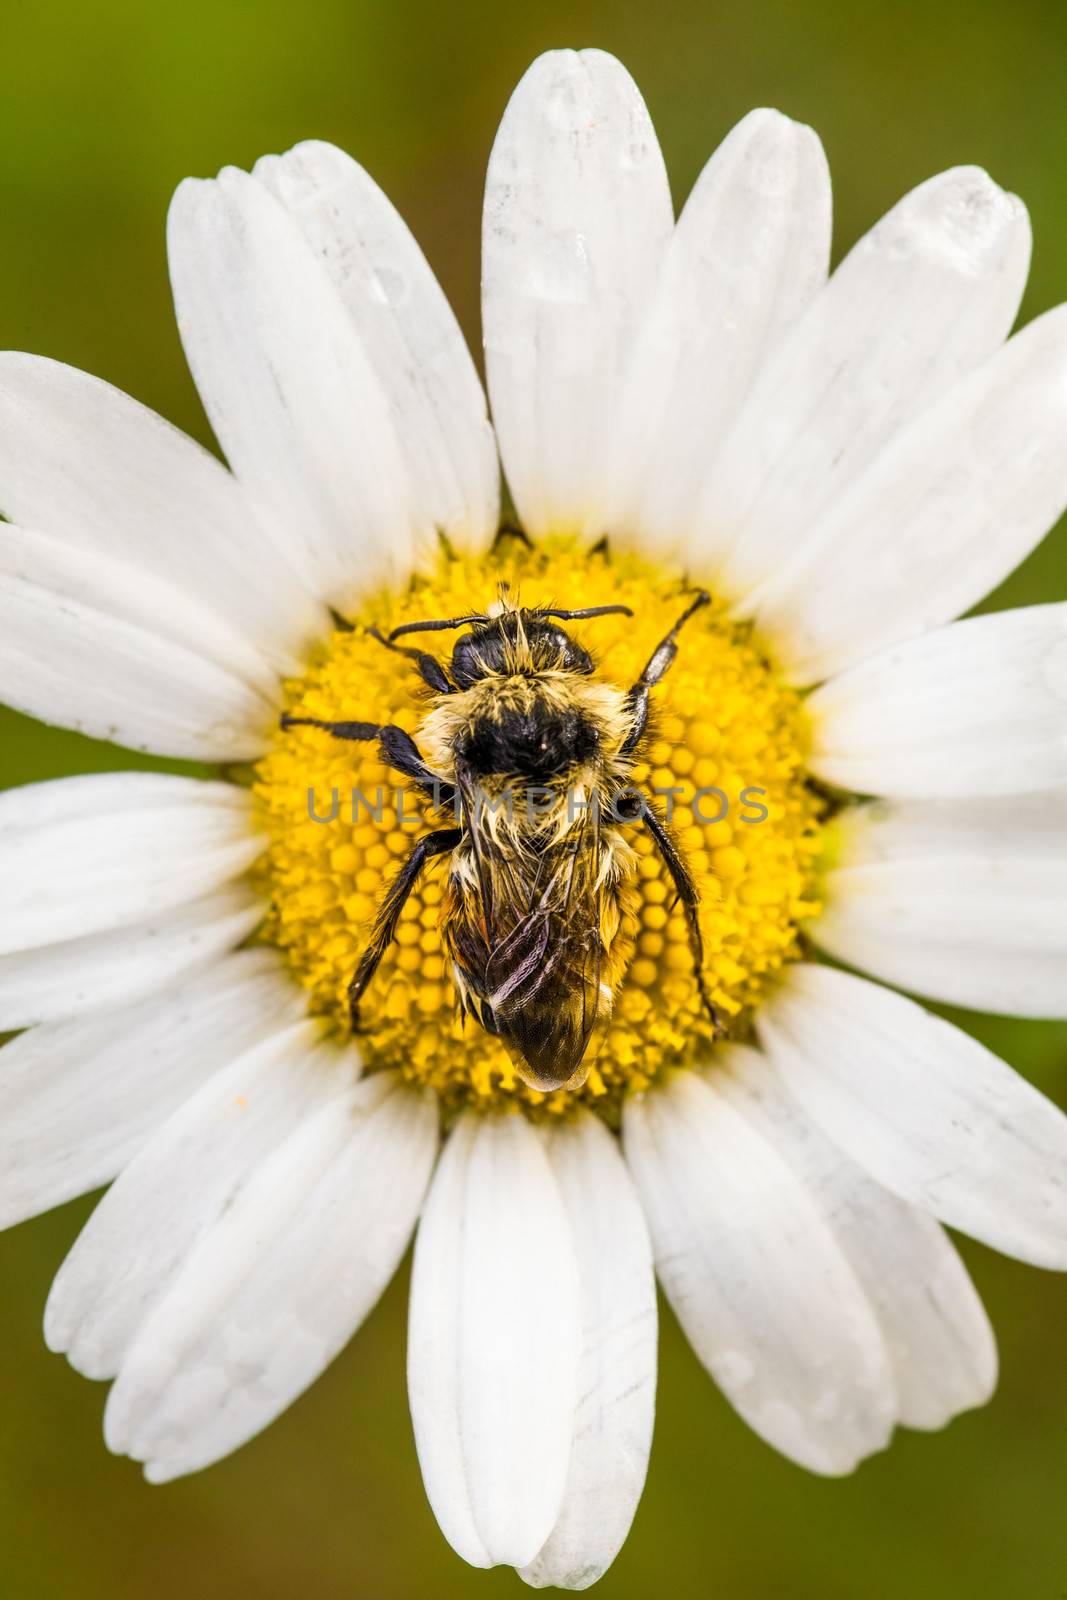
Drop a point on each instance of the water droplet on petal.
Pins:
(390, 286)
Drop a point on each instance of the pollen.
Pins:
(724, 761)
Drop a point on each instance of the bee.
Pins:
(534, 756)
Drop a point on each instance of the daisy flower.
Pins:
(847, 464)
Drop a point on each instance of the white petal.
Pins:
(961, 900)
(78, 663)
(940, 1344)
(280, 1284)
(939, 519)
(979, 707)
(920, 301)
(127, 591)
(290, 393)
(494, 1342)
(925, 1109)
(577, 216)
(103, 970)
(177, 1186)
(761, 1288)
(750, 251)
(83, 855)
(617, 1377)
(79, 1098)
(84, 463)
(408, 331)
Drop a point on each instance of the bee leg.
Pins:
(430, 845)
(687, 894)
(340, 730)
(656, 668)
(428, 667)
(398, 750)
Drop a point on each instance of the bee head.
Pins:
(516, 641)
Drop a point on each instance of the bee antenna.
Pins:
(438, 626)
(589, 611)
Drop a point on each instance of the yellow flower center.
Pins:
(725, 750)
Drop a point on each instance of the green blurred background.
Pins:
(103, 108)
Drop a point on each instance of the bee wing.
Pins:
(543, 975)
